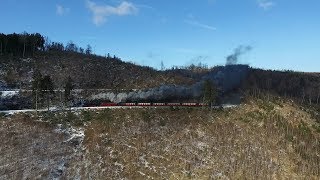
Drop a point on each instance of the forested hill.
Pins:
(294, 85)
(21, 54)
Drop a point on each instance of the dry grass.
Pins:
(30, 150)
(254, 141)
(258, 140)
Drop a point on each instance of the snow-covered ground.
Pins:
(9, 93)
(10, 112)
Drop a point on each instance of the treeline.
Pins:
(26, 45)
(21, 44)
(303, 86)
(70, 47)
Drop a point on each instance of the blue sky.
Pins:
(284, 34)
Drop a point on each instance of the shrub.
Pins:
(86, 116)
(72, 118)
(2, 115)
(304, 128)
(50, 117)
(316, 127)
(146, 116)
(105, 116)
(162, 122)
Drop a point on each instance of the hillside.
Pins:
(87, 71)
(301, 86)
(276, 139)
(22, 54)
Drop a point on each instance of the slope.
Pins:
(276, 139)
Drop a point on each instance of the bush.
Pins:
(146, 116)
(268, 106)
(50, 117)
(72, 118)
(105, 116)
(86, 116)
(162, 122)
(304, 128)
(2, 115)
(316, 127)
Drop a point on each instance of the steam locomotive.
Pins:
(151, 104)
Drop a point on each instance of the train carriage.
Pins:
(188, 104)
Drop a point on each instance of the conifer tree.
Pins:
(47, 89)
(209, 92)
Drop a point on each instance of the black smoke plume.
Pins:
(226, 78)
(233, 58)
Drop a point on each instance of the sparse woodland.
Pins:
(21, 54)
(304, 87)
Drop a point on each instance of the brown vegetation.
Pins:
(260, 139)
(87, 71)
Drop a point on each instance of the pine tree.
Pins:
(47, 89)
(209, 92)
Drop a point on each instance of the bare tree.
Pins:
(318, 97)
(268, 86)
(162, 66)
(68, 91)
(47, 43)
(23, 38)
(0, 47)
(37, 76)
(89, 50)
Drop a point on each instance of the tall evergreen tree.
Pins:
(209, 92)
(47, 89)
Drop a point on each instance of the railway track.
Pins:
(144, 105)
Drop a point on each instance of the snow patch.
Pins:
(76, 135)
(226, 106)
(9, 94)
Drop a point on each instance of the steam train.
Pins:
(151, 104)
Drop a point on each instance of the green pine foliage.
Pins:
(209, 92)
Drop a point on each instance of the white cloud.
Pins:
(266, 4)
(198, 24)
(101, 12)
(60, 10)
